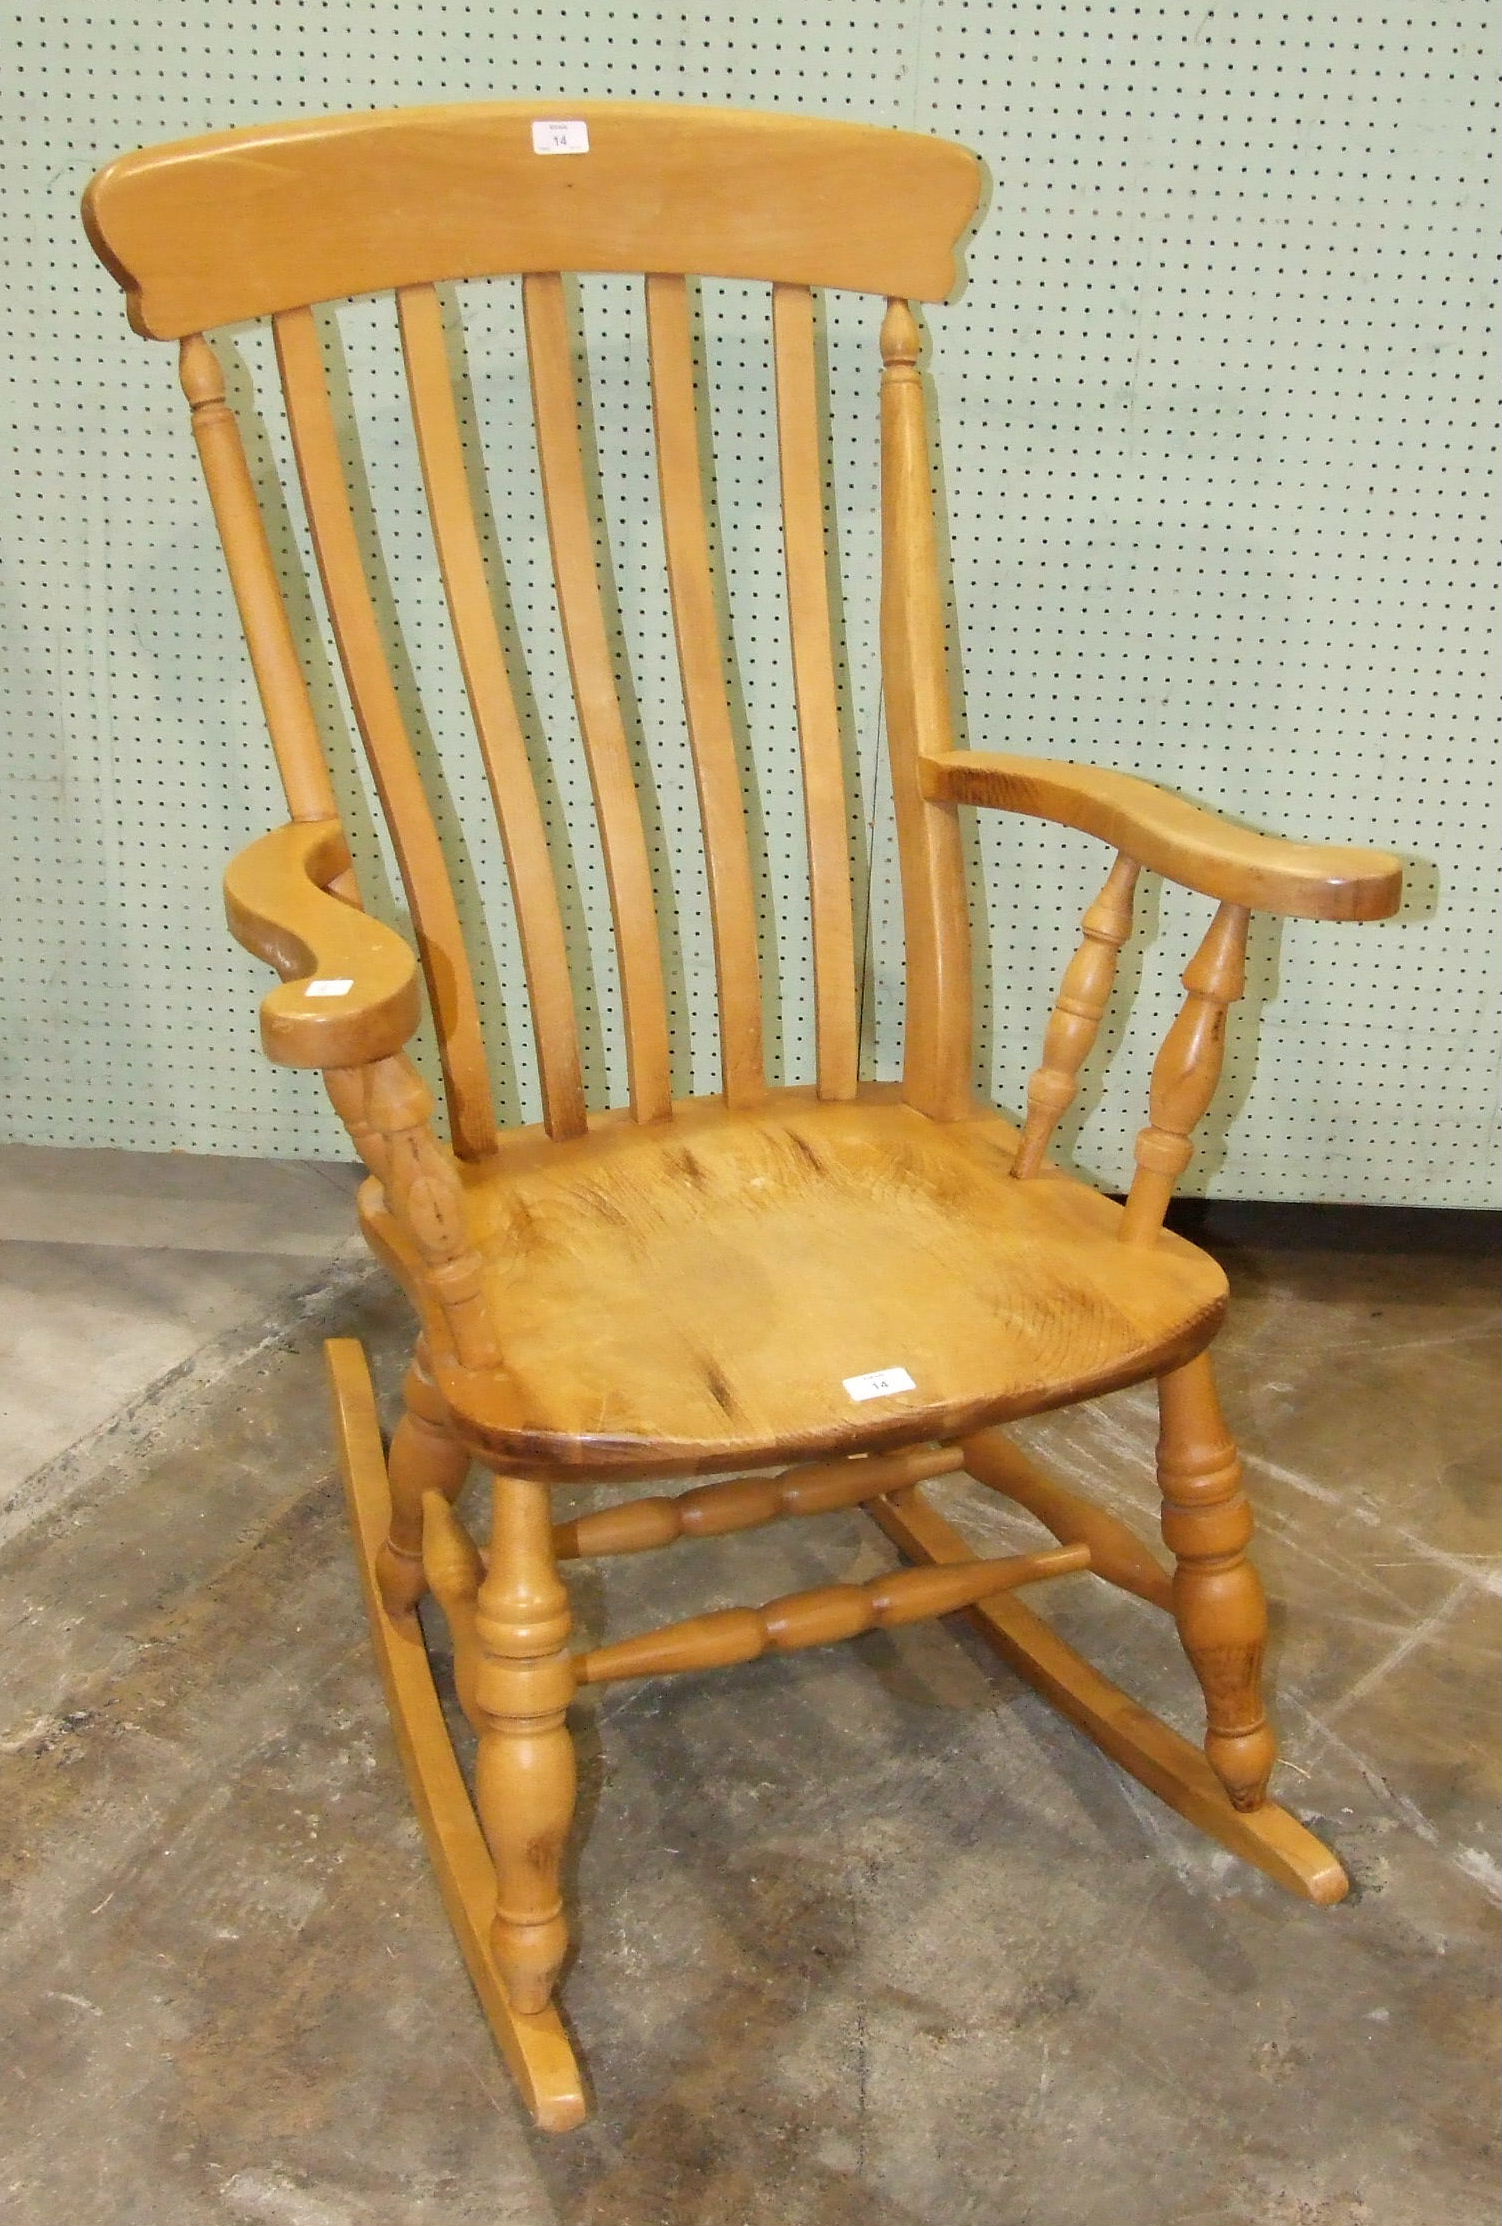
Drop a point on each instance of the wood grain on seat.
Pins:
(678, 1299)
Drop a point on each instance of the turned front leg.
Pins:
(1218, 1601)
(525, 1774)
(426, 1456)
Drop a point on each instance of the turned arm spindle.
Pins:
(350, 1097)
(426, 1196)
(1083, 996)
(1187, 1071)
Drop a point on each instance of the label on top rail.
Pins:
(882, 1383)
(557, 138)
(327, 988)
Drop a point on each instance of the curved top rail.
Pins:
(243, 224)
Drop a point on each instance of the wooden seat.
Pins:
(839, 1288)
(678, 1302)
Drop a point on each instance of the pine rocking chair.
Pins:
(850, 1284)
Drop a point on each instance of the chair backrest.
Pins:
(273, 222)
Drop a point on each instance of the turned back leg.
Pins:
(425, 1457)
(1218, 1601)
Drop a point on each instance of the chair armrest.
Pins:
(1311, 881)
(349, 990)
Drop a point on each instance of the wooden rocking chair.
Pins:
(849, 1284)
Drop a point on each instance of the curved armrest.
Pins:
(1311, 881)
(349, 990)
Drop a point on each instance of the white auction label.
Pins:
(550, 138)
(328, 989)
(880, 1384)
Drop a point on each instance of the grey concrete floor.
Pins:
(866, 1936)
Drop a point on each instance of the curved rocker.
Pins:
(534, 2044)
(1157, 1756)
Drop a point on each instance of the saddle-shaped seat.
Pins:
(720, 1292)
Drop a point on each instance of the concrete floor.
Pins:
(867, 1936)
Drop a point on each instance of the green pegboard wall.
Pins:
(1215, 471)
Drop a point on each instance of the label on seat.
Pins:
(550, 138)
(880, 1384)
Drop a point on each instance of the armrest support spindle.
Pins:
(1187, 1071)
(1083, 996)
(426, 1196)
(1243, 871)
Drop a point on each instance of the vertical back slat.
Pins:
(414, 833)
(915, 684)
(581, 608)
(461, 560)
(826, 803)
(700, 657)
